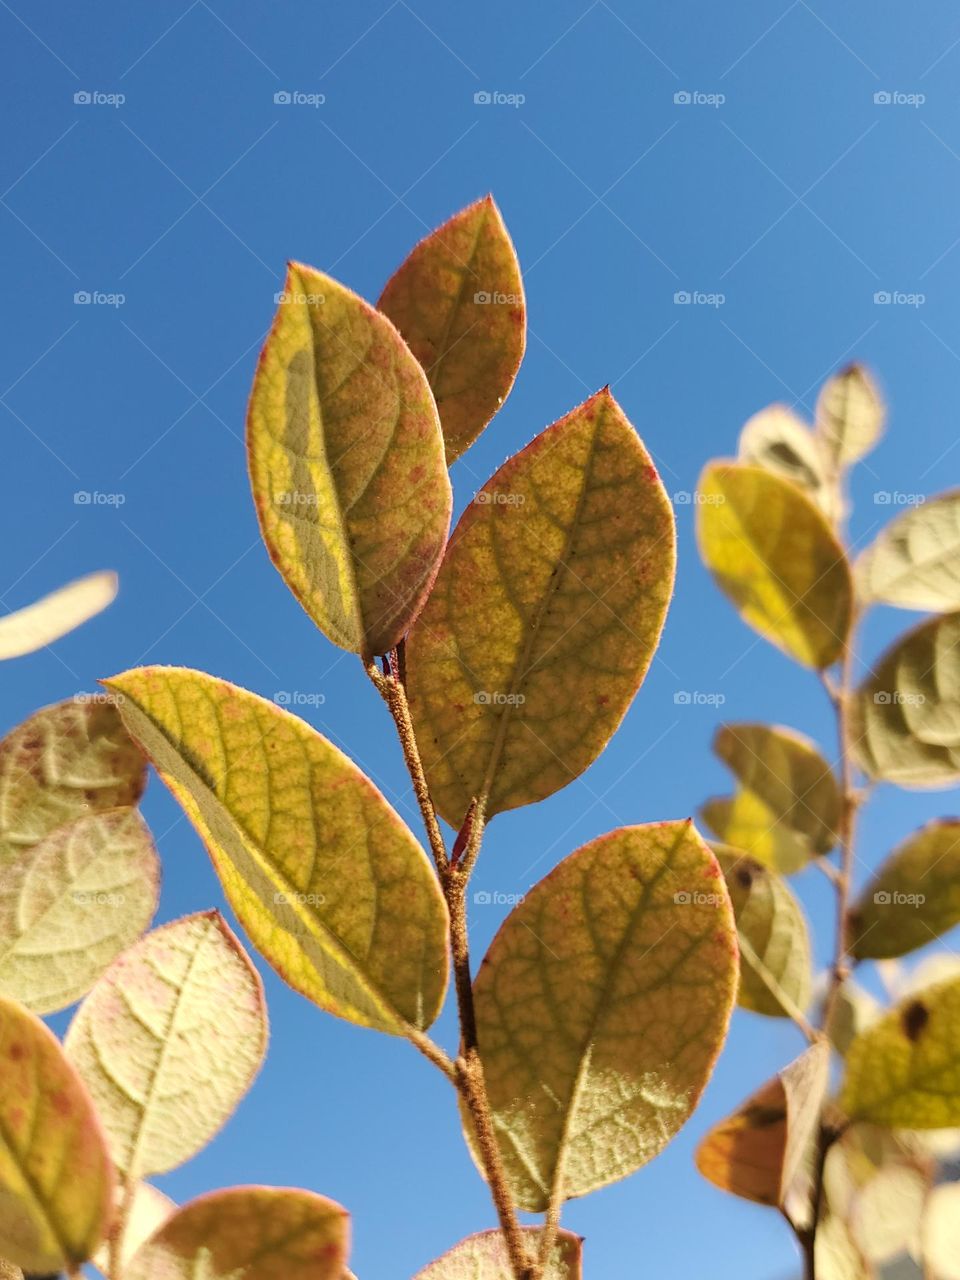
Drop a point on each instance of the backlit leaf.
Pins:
(853, 1011)
(904, 1070)
(9, 1272)
(744, 821)
(65, 762)
(941, 1232)
(601, 1007)
(850, 415)
(757, 1152)
(907, 714)
(56, 1179)
(786, 771)
(886, 1214)
(545, 615)
(347, 464)
(484, 1257)
(914, 897)
(71, 903)
(169, 1041)
(836, 1254)
(55, 615)
(775, 961)
(248, 1233)
(149, 1210)
(914, 562)
(780, 441)
(775, 556)
(458, 302)
(328, 881)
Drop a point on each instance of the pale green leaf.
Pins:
(775, 556)
(56, 1179)
(347, 464)
(169, 1041)
(744, 821)
(904, 1070)
(458, 302)
(886, 1214)
(56, 614)
(913, 898)
(853, 1011)
(71, 903)
(485, 1257)
(850, 415)
(326, 878)
(601, 1008)
(545, 615)
(248, 1233)
(915, 562)
(941, 1232)
(836, 1254)
(780, 441)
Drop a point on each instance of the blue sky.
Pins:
(782, 186)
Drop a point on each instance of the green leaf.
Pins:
(71, 903)
(64, 762)
(56, 614)
(347, 464)
(906, 716)
(169, 1041)
(149, 1210)
(248, 1233)
(746, 823)
(330, 884)
(545, 615)
(775, 965)
(56, 1179)
(853, 1011)
(756, 1153)
(601, 1008)
(788, 774)
(779, 441)
(913, 898)
(941, 1232)
(913, 563)
(904, 1070)
(775, 556)
(850, 415)
(458, 302)
(484, 1257)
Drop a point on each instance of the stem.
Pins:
(119, 1230)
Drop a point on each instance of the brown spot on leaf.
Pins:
(17, 1052)
(744, 876)
(913, 1020)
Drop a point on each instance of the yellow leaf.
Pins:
(906, 716)
(780, 441)
(169, 1041)
(458, 302)
(323, 874)
(70, 903)
(904, 1070)
(56, 614)
(248, 1233)
(757, 1152)
(636, 931)
(850, 415)
(545, 615)
(56, 1179)
(913, 562)
(941, 1232)
(776, 557)
(9, 1272)
(149, 1210)
(744, 821)
(347, 464)
(485, 1257)
(836, 1254)
(913, 898)
(775, 965)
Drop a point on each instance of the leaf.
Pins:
(149, 1210)
(904, 1070)
(853, 1011)
(458, 302)
(484, 1257)
(780, 441)
(913, 562)
(545, 615)
(913, 898)
(169, 1041)
(71, 903)
(330, 884)
(886, 1214)
(9, 1272)
(56, 1179)
(56, 614)
(836, 1255)
(248, 1233)
(777, 559)
(775, 965)
(906, 716)
(757, 1152)
(64, 762)
(746, 823)
(941, 1232)
(347, 465)
(850, 415)
(601, 1008)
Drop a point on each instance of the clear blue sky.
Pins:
(797, 198)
